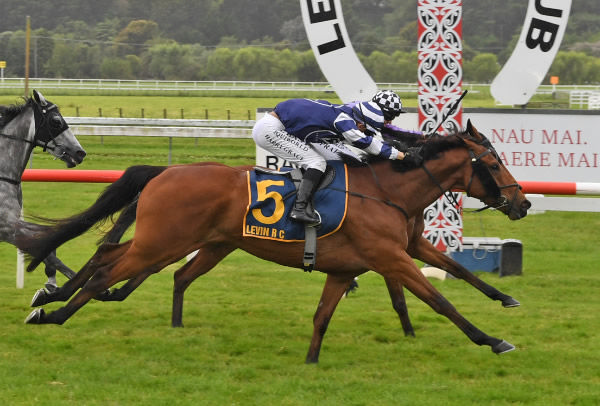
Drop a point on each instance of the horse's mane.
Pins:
(7, 113)
(430, 148)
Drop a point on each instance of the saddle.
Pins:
(272, 194)
(295, 175)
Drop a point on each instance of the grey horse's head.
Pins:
(53, 133)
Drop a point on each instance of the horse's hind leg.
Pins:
(426, 252)
(52, 262)
(120, 294)
(203, 261)
(399, 304)
(110, 265)
(334, 288)
(63, 293)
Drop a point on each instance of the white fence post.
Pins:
(20, 265)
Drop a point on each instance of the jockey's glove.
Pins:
(414, 155)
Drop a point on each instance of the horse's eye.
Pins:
(495, 167)
(55, 121)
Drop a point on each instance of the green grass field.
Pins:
(232, 105)
(249, 322)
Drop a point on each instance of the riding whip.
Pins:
(449, 112)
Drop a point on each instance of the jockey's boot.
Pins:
(303, 209)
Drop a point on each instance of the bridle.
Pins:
(483, 173)
(49, 124)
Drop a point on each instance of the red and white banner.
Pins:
(440, 85)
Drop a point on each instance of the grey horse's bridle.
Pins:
(49, 124)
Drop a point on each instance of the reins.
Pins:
(475, 160)
(363, 196)
(447, 193)
(13, 137)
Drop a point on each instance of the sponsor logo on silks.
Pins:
(540, 39)
(272, 196)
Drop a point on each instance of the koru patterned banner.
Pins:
(440, 85)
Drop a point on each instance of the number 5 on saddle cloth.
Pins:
(272, 195)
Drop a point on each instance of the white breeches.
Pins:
(269, 134)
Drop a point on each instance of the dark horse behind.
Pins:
(208, 218)
(35, 123)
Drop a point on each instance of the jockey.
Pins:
(294, 129)
(391, 106)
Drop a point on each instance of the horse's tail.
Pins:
(122, 193)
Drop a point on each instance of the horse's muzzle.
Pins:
(518, 211)
(73, 158)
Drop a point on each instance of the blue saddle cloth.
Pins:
(272, 197)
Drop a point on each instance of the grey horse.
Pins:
(35, 123)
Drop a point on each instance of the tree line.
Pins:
(264, 40)
(135, 54)
(489, 26)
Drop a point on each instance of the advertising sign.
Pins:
(541, 146)
(544, 147)
(326, 31)
(542, 33)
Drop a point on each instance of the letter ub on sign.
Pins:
(542, 33)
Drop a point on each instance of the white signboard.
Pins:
(545, 147)
(326, 31)
(542, 33)
(534, 146)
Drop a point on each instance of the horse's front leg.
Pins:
(399, 304)
(402, 267)
(335, 286)
(422, 249)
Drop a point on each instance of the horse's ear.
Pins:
(472, 130)
(39, 98)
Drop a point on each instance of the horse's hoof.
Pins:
(502, 347)
(35, 317)
(40, 298)
(50, 287)
(511, 302)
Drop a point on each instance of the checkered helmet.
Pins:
(390, 103)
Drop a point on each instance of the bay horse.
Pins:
(35, 123)
(418, 246)
(208, 218)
